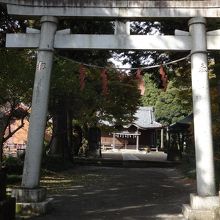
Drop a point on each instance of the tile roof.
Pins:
(145, 118)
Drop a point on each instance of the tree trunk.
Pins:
(54, 148)
(60, 145)
(94, 139)
(3, 126)
(77, 139)
(70, 135)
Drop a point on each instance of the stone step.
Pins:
(199, 214)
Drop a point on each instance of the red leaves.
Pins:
(138, 74)
(163, 77)
(104, 79)
(82, 76)
(141, 84)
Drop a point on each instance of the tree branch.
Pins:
(13, 132)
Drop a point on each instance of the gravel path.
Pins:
(100, 193)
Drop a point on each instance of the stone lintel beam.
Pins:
(102, 42)
(111, 42)
(114, 8)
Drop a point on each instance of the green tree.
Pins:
(172, 106)
(16, 80)
(174, 103)
(215, 97)
(90, 105)
(67, 102)
(16, 77)
(151, 91)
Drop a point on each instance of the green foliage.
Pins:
(215, 100)
(173, 105)
(9, 24)
(97, 57)
(84, 105)
(14, 179)
(176, 102)
(151, 91)
(13, 165)
(87, 107)
(87, 103)
(150, 27)
(16, 75)
(16, 79)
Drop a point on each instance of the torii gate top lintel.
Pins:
(114, 8)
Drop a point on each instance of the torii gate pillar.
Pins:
(30, 192)
(201, 109)
(39, 103)
(204, 205)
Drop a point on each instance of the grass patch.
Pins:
(72, 179)
(56, 163)
(188, 167)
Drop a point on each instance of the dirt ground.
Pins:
(105, 193)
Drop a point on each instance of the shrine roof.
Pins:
(145, 118)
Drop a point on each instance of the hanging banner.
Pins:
(141, 83)
(104, 79)
(82, 76)
(138, 74)
(163, 77)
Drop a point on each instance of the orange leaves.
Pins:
(104, 79)
(163, 78)
(82, 76)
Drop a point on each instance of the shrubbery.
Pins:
(13, 165)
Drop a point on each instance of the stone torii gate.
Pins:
(205, 204)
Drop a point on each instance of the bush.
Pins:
(13, 165)
(56, 163)
(14, 179)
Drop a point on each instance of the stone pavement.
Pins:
(118, 193)
(134, 155)
(128, 158)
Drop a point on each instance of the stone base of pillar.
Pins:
(202, 208)
(31, 202)
(32, 208)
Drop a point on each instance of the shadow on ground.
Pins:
(95, 193)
